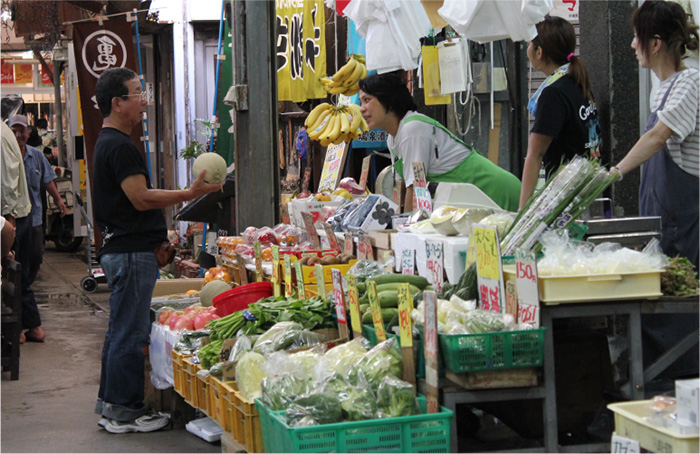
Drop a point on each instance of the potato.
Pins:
(330, 260)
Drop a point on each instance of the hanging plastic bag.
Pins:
(431, 77)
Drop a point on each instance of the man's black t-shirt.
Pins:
(566, 114)
(123, 227)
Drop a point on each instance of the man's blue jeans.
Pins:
(131, 277)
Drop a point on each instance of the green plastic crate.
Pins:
(492, 351)
(417, 433)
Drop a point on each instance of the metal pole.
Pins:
(58, 68)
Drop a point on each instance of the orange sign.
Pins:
(23, 74)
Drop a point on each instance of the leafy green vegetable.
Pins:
(395, 398)
(279, 391)
(358, 402)
(323, 408)
(341, 358)
(250, 371)
(680, 278)
(384, 359)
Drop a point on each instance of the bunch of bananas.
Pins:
(345, 80)
(333, 125)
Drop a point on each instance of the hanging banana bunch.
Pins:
(329, 124)
(345, 80)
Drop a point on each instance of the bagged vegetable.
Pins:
(243, 344)
(384, 359)
(314, 408)
(396, 397)
(339, 360)
(286, 335)
(358, 402)
(278, 391)
(250, 371)
(300, 364)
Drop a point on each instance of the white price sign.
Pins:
(431, 350)
(528, 292)
(408, 261)
(339, 297)
(435, 262)
(621, 445)
(423, 199)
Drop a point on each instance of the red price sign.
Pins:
(348, 243)
(332, 240)
(405, 305)
(310, 229)
(435, 263)
(419, 177)
(364, 248)
(490, 296)
(376, 311)
(524, 271)
(354, 304)
(339, 297)
(528, 291)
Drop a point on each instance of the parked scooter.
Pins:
(60, 229)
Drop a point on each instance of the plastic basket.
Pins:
(492, 351)
(190, 382)
(220, 409)
(202, 386)
(239, 298)
(246, 423)
(179, 380)
(417, 433)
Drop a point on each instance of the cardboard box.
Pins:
(166, 287)
(381, 238)
(688, 401)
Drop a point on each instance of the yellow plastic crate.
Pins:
(595, 287)
(178, 375)
(631, 422)
(309, 272)
(246, 423)
(202, 386)
(219, 403)
(190, 383)
(227, 409)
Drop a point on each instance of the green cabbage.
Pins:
(250, 371)
(384, 359)
(395, 398)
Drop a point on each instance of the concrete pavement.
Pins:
(50, 408)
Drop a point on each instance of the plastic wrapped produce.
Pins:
(250, 371)
(395, 398)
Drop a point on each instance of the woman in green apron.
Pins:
(387, 104)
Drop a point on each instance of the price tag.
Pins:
(387, 258)
(488, 268)
(258, 262)
(310, 229)
(376, 311)
(349, 246)
(431, 346)
(284, 213)
(511, 299)
(528, 291)
(288, 278)
(340, 304)
(405, 306)
(301, 291)
(332, 240)
(242, 272)
(422, 199)
(365, 171)
(619, 444)
(420, 180)
(276, 281)
(320, 281)
(435, 262)
(353, 302)
(398, 191)
(364, 248)
(408, 261)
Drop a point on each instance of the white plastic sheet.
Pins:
(392, 30)
(492, 20)
(160, 355)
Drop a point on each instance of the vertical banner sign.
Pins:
(301, 291)
(332, 240)
(99, 47)
(364, 247)
(242, 272)
(276, 287)
(310, 229)
(320, 281)
(528, 292)
(354, 304)
(406, 334)
(301, 50)
(377, 318)
(365, 171)
(284, 213)
(431, 350)
(340, 304)
(288, 290)
(408, 261)
(488, 268)
(348, 249)
(258, 262)
(435, 262)
(421, 195)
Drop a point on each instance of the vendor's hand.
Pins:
(62, 207)
(200, 187)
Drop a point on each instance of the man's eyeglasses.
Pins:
(143, 96)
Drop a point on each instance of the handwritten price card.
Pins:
(258, 262)
(422, 199)
(320, 281)
(406, 333)
(528, 291)
(365, 171)
(398, 190)
(348, 249)
(340, 303)
(276, 281)
(420, 179)
(408, 261)
(488, 268)
(353, 302)
(288, 278)
(435, 261)
(310, 229)
(284, 213)
(332, 240)
(376, 311)
(300, 279)
(431, 346)
(242, 272)
(620, 444)
(364, 248)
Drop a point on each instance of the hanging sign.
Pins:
(528, 291)
(435, 258)
(488, 268)
(7, 72)
(408, 258)
(24, 74)
(353, 303)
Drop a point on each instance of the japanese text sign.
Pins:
(276, 281)
(354, 304)
(377, 318)
(528, 292)
(408, 261)
(364, 247)
(405, 307)
(288, 278)
(348, 249)
(488, 268)
(258, 262)
(332, 240)
(301, 290)
(310, 229)
(339, 297)
(431, 346)
(435, 258)
(320, 281)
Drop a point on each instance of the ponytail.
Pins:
(579, 73)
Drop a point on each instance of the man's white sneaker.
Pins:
(102, 422)
(147, 423)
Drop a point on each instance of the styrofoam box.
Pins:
(462, 195)
(453, 261)
(631, 421)
(597, 287)
(205, 428)
(688, 401)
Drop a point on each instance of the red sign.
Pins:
(7, 73)
(45, 78)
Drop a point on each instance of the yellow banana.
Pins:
(315, 113)
(364, 71)
(360, 58)
(343, 72)
(335, 129)
(352, 91)
(344, 123)
(316, 127)
(318, 131)
(354, 76)
(335, 90)
(325, 143)
(356, 119)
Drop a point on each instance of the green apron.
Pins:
(502, 186)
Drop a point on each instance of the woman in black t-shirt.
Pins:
(566, 120)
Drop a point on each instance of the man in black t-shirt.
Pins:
(128, 212)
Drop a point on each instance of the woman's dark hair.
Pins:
(391, 92)
(667, 21)
(34, 139)
(557, 39)
(112, 84)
